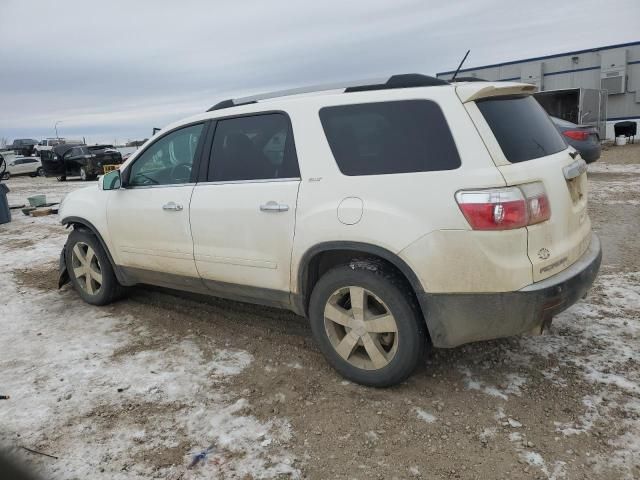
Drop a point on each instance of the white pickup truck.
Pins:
(47, 144)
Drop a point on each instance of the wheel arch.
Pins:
(86, 225)
(338, 252)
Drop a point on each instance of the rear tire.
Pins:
(61, 179)
(40, 172)
(378, 355)
(6, 176)
(90, 270)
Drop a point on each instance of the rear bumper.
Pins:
(457, 318)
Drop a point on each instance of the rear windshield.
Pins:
(389, 137)
(522, 127)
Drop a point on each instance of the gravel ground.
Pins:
(135, 389)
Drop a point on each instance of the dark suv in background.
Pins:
(75, 160)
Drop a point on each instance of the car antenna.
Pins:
(459, 66)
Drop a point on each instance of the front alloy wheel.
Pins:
(86, 268)
(90, 270)
(361, 328)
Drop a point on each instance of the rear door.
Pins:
(527, 148)
(243, 214)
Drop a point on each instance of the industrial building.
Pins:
(598, 86)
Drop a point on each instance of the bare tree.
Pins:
(3, 142)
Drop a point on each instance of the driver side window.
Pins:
(168, 161)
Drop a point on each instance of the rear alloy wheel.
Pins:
(40, 172)
(361, 328)
(90, 270)
(367, 323)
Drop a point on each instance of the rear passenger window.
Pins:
(258, 147)
(389, 137)
(522, 127)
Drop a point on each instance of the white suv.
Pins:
(24, 166)
(394, 215)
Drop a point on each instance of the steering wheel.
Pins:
(181, 171)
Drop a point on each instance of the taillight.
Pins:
(538, 206)
(505, 208)
(576, 134)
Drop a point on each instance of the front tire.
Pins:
(367, 323)
(61, 178)
(6, 176)
(90, 270)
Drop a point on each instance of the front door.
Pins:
(243, 216)
(149, 216)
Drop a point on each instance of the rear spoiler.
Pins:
(469, 92)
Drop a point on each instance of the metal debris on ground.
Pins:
(201, 457)
(39, 453)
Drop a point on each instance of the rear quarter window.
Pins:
(389, 137)
(522, 128)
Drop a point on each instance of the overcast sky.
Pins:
(111, 70)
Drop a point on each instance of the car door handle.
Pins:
(172, 206)
(274, 207)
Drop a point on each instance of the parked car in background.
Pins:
(406, 215)
(47, 144)
(23, 166)
(23, 146)
(126, 156)
(84, 161)
(584, 138)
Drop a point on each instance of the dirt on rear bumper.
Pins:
(458, 318)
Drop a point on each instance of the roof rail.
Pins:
(408, 80)
(470, 79)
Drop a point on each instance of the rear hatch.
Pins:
(527, 148)
(105, 155)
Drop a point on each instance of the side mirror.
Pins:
(111, 180)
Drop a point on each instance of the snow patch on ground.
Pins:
(512, 385)
(605, 336)
(425, 416)
(84, 389)
(610, 192)
(601, 167)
